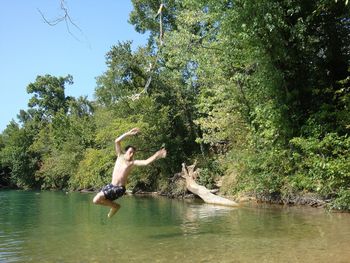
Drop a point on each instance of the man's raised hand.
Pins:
(134, 131)
(162, 153)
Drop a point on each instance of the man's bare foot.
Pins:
(112, 211)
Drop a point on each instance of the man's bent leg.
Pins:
(100, 199)
(113, 210)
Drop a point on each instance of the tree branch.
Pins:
(64, 18)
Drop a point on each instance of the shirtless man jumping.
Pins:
(121, 171)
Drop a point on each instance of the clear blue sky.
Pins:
(30, 47)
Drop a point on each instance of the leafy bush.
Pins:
(95, 170)
(210, 172)
(323, 165)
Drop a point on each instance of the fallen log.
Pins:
(189, 174)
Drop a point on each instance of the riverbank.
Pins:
(303, 199)
(296, 199)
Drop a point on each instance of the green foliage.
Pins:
(144, 13)
(94, 170)
(210, 173)
(16, 157)
(322, 165)
(342, 201)
(56, 170)
(49, 96)
(261, 87)
(263, 173)
(56, 129)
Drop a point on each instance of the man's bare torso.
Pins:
(121, 171)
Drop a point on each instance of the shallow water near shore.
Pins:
(59, 227)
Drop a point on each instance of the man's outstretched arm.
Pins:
(118, 147)
(160, 154)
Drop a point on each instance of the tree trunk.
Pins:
(189, 173)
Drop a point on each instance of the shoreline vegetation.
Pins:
(300, 199)
(257, 92)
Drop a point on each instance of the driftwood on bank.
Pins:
(189, 174)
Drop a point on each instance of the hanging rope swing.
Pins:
(151, 67)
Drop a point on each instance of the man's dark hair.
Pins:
(130, 146)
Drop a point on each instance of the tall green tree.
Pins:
(262, 73)
(49, 95)
(18, 162)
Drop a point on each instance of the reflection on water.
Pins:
(197, 214)
(59, 227)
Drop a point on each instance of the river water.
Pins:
(67, 227)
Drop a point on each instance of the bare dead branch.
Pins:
(65, 17)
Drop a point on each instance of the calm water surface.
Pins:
(60, 227)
